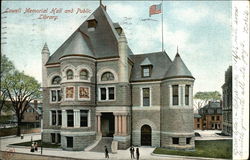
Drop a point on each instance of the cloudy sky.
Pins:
(202, 31)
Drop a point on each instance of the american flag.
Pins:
(155, 9)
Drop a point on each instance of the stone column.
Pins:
(124, 124)
(116, 124)
(182, 94)
(170, 95)
(89, 118)
(64, 118)
(57, 118)
(119, 124)
(76, 118)
(98, 119)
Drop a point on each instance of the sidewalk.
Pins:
(145, 152)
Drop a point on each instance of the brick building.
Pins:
(197, 121)
(211, 115)
(94, 86)
(227, 102)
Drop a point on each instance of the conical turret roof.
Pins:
(178, 69)
(77, 44)
(45, 48)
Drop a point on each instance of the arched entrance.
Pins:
(146, 134)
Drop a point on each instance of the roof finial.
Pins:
(100, 2)
(177, 54)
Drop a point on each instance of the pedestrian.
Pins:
(137, 154)
(36, 148)
(133, 152)
(106, 152)
(32, 147)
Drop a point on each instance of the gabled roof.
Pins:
(178, 69)
(146, 62)
(159, 60)
(101, 43)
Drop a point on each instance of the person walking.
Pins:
(133, 152)
(106, 152)
(36, 148)
(137, 154)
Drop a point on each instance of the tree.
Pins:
(7, 67)
(202, 98)
(21, 90)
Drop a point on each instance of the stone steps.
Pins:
(100, 147)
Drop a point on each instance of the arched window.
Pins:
(69, 74)
(56, 80)
(107, 76)
(84, 74)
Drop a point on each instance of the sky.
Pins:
(200, 29)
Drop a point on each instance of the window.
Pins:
(56, 95)
(175, 94)
(146, 96)
(188, 140)
(84, 74)
(111, 91)
(58, 138)
(146, 71)
(175, 140)
(70, 74)
(92, 23)
(69, 92)
(84, 118)
(59, 117)
(187, 94)
(107, 93)
(70, 118)
(69, 142)
(218, 118)
(56, 80)
(198, 125)
(198, 119)
(53, 138)
(53, 114)
(103, 94)
(107, 76)
(212, 118)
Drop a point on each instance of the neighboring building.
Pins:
(227, 103)
(211, 115)
(197, 121)
(94, 87)
(32, 116)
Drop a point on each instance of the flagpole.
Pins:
(162, 40)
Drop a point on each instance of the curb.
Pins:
(184, 157)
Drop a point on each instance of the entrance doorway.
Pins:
(146, 132)
(107, 124)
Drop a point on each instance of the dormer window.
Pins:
(146, 67)
(92, 23)
(146, 71)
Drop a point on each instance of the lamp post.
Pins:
(41, 119)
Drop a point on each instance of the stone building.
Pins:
(95, 87)
(227, 102)
(211, 115)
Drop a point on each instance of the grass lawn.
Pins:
(206, 148)
(45, 145)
